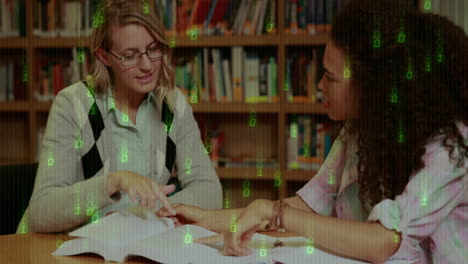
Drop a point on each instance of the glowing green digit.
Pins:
(78, 143)
(401, 135)
(310, 246)
(194, 99)
(306, 148)
(294, 130)
(394, 95)
(401, 37)
(188, 236)
(188, 164)
(95, 218)
(246, 184)
(50, 161)
(331, 178)
(252, 119)
(124, 154)
(194, 34)
(427, 5)
(59, 243)
(233, 228)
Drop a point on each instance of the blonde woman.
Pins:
(113, 139)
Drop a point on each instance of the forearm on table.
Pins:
(60, 208)
(352, 239)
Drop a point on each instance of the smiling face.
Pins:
(128, 39)
(340, 99)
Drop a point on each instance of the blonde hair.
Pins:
(123, 12)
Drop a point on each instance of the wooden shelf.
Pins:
(306, 108)
(42, 106)
(236, 108)
(225, 41)
(20, 42)
(205, 107)
(299, 175)
(43, 42)
(245, 174)
(12, 162)
(15, 106)
(305, 39)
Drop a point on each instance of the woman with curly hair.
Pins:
(394, 185)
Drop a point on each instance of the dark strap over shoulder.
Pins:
(91, 161)
(167, 116)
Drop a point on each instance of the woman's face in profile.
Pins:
(128, 39)
(340, 99)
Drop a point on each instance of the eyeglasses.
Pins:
(154, 53)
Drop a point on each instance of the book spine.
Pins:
(293, 147)
(311, 17)
(293, 10)
(237, 64)
(10, 75)
(227, 80)
(301, 13)
(262, 85)
(329, 13)
(3, 82)
(210, 14)
(320, 14)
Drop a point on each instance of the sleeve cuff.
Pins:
(388, 213)
(317, 198)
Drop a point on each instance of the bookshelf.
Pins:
(27, 116)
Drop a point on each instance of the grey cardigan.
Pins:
(63, 198)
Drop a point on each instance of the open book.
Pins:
(123, 234)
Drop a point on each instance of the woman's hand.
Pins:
(138, 186)
(241, 231)
(187, 215)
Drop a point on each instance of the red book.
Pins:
(55, 78)
(200, 12)
(219, 11)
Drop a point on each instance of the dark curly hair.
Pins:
(411, 69)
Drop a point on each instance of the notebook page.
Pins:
(171, 247)
(88, 245)
(124, 227)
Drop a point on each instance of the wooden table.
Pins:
(37, 248)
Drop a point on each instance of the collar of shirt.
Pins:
(108, 101)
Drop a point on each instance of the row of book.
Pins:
(210, 76)
(13, 83)
(217, 17)
(58, 18)
(55, 75)
(301, 78)
(310, 16)
(455, 10)
(308, 143)
(12, 18)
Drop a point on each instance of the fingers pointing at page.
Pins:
(138, 186)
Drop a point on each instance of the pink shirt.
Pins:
(431, 213)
